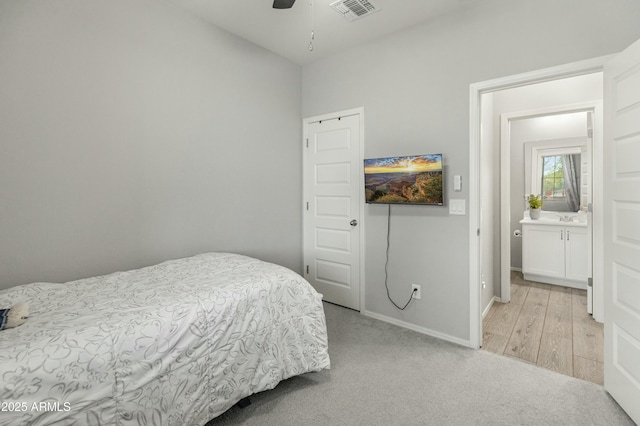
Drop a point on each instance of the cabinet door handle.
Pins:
(562, 234)
(567, 235)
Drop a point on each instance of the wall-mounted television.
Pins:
(413, 179)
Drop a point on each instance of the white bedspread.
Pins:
(173, 344)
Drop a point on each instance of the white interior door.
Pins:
(333, 171)
(622, 229)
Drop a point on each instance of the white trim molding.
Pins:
(488, 308)
(417, 328)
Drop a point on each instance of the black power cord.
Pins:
(386, 265)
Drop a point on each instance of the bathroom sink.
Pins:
(567, 218)
(558, 218)
(549, 219)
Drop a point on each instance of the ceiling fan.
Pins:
(283, 4)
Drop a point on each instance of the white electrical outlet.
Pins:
(415, 294)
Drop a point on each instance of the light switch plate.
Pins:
(457, 183)
(457, 206)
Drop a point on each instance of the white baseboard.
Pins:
(419, 329)
(513, 268)
(486, 310)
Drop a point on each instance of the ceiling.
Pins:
(287, 32)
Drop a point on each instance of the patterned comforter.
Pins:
(172, 344)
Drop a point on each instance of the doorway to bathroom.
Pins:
(547, 321)
(544, 113)
(551, 153)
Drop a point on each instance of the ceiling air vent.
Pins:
(354, 9)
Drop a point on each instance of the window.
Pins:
(552, 178)
(546, 165)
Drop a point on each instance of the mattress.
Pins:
(172, 344)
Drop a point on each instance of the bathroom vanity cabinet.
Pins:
(555, 252)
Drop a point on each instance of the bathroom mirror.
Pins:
(558, 170)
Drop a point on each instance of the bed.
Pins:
(177, 343)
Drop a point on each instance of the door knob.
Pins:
(353, 223)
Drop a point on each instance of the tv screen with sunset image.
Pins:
(415, 179)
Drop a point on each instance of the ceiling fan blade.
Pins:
(283, 4)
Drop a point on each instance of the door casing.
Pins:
(475, 92)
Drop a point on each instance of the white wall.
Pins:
(414, 86)
(132, 133)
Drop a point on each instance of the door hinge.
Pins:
(307, 142)
(589, 282)
(307, 269)
(590, 133)
(478, 232)
(307, 206)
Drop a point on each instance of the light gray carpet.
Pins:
(386, 375)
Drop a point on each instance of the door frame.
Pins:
(594, 106)
(359, 111)
(476, 90)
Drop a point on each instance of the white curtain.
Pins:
(571, 181)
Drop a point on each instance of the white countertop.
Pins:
(553, 221)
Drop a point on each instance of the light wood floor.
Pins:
(549, 326)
